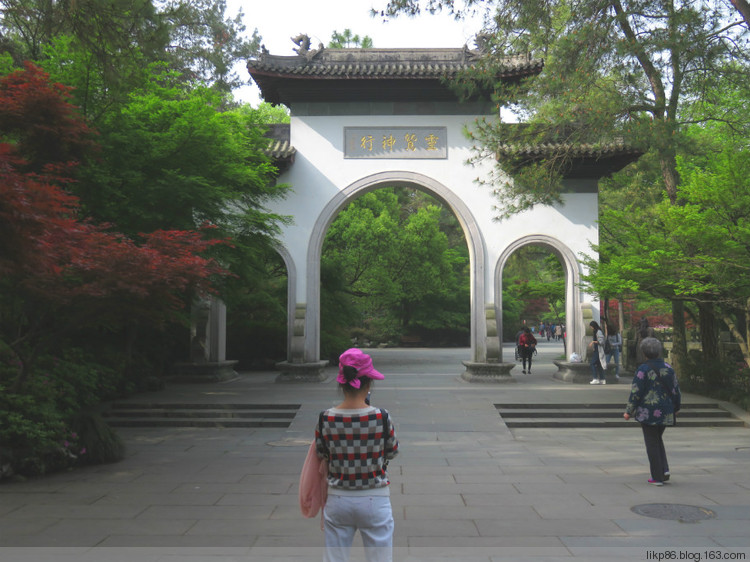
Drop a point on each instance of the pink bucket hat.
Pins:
(362, 362)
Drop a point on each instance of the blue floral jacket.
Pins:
(655, 395)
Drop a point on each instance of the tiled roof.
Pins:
(280, 149)
(574, 150)
(353, 74)
(586, 160)
(386, 63)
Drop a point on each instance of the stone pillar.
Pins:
(492, 370)
(208, 344)
(297, 368)
(217, 331)
(493, 339)
(580, 372)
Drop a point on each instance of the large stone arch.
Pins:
(481, 349)
(573, 270)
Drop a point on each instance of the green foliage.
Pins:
(256, 312)
(402, 260)
(533, 290)
(349, 40)
(42, 428)
(697, 250)
(170, 159)
(205, 44)
(68, 282)
(103, 46)
(32, 434)
(725, 379)
(95, 442)
(266, 113)
(613, 73)
(6, 64)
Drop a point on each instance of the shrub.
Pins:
(42, 427)
(96, 442)
(723, 379)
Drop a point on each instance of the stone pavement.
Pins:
(464, 488)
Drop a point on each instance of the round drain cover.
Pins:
(674, 512)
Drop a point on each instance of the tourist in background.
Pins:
(526, 345)
(598, 360)
(614, 337)
(654, 401)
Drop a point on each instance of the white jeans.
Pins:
(372, 515)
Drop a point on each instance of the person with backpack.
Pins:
(612, 347)
(526, 346)
(358, 440)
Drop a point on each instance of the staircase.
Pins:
(606, 415)
(127, 414)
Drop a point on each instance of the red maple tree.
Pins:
(57, 269)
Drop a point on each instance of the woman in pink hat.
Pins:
(358, 440)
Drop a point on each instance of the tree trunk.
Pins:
(743, 340)
(679, 340)
(743, 7)
(709, 335)
(668, 164)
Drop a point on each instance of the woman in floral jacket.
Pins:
(654, 400)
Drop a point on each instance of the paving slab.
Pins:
(466, 487)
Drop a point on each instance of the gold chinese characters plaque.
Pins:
(396, 142)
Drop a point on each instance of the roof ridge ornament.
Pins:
(303, 47)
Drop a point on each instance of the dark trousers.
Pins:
(597, 372)
(657, 456)
(526, 353)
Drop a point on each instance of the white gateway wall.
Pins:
(323, 181)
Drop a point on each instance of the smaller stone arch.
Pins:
(477, 254)
(572, 268)
(292, 342)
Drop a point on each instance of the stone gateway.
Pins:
(362, 119)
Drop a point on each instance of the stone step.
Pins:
(610, 423)
(604, 413)
(193, 422)
(133, 414)
(706, 414)
(189, 413)
(201, 405)
(582, 406)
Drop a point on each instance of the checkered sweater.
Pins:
(358, 446)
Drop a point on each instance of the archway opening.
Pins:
(538, 277)
(533, 292)
(257, 302)
(394, 271)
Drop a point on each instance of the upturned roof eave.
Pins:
(585, 161)
(279, 77)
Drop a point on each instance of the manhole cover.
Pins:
(674, 512)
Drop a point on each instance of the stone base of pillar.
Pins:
(488, 372)
(204, 372)
(301, 372)
(580, 373)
